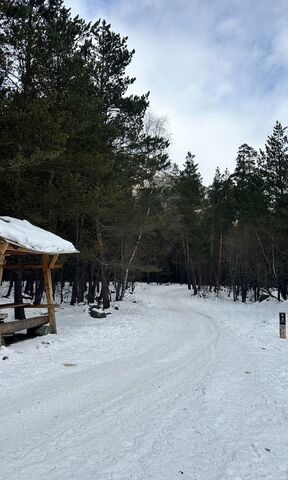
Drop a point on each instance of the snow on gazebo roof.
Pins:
(21, 233)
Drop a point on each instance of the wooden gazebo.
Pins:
(21, 238)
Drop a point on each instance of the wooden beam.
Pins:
(24, 251)
(26, 305)
(53, 261)
(49, 293)
(18, 325)
(12, 305)
(21, 253)
(4, 246)
(27, 266)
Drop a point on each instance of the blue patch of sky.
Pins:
(95, 8)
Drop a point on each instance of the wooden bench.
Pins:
(7, 328)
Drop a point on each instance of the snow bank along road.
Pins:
(168, 387)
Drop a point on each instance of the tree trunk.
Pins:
(282, 290)
(104, 294)
(194, 281)
(131, 259)
(19, 311)
(211, 270)
(11, 283)
(187, 261)
(39, 289)
(219, 264)
(91, 286)
(74, 294)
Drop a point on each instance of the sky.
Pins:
(216, 69)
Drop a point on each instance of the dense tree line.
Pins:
(84, 158)
(234, 233)
(73, 141)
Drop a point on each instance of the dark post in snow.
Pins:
(282, 325)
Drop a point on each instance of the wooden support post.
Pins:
(3, 248)
(282, 325)
(53, 261)
(49, 293)
(3, 316)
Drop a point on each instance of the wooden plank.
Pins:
(3, 248)
(53, 261)
(13, 305)
(20, 252)
(1, 274)
(42, 305)
(49, 293)
(28, 266)
(24, 252)
(15, 249)
(12, 327)
(26, 305)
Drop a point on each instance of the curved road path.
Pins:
(157, 391)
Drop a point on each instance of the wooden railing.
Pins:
(7, 328)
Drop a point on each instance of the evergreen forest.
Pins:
(84, 158)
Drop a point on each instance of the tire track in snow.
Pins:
(118, 437)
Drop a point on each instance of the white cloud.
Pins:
(217, 68)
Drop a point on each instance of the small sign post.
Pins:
(282, 324)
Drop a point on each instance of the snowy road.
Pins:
(169, 387)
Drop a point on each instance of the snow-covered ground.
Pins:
(169, 386)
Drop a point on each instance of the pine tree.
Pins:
(248, 187)
(274, 170)
(220, 218)
(190, 194)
